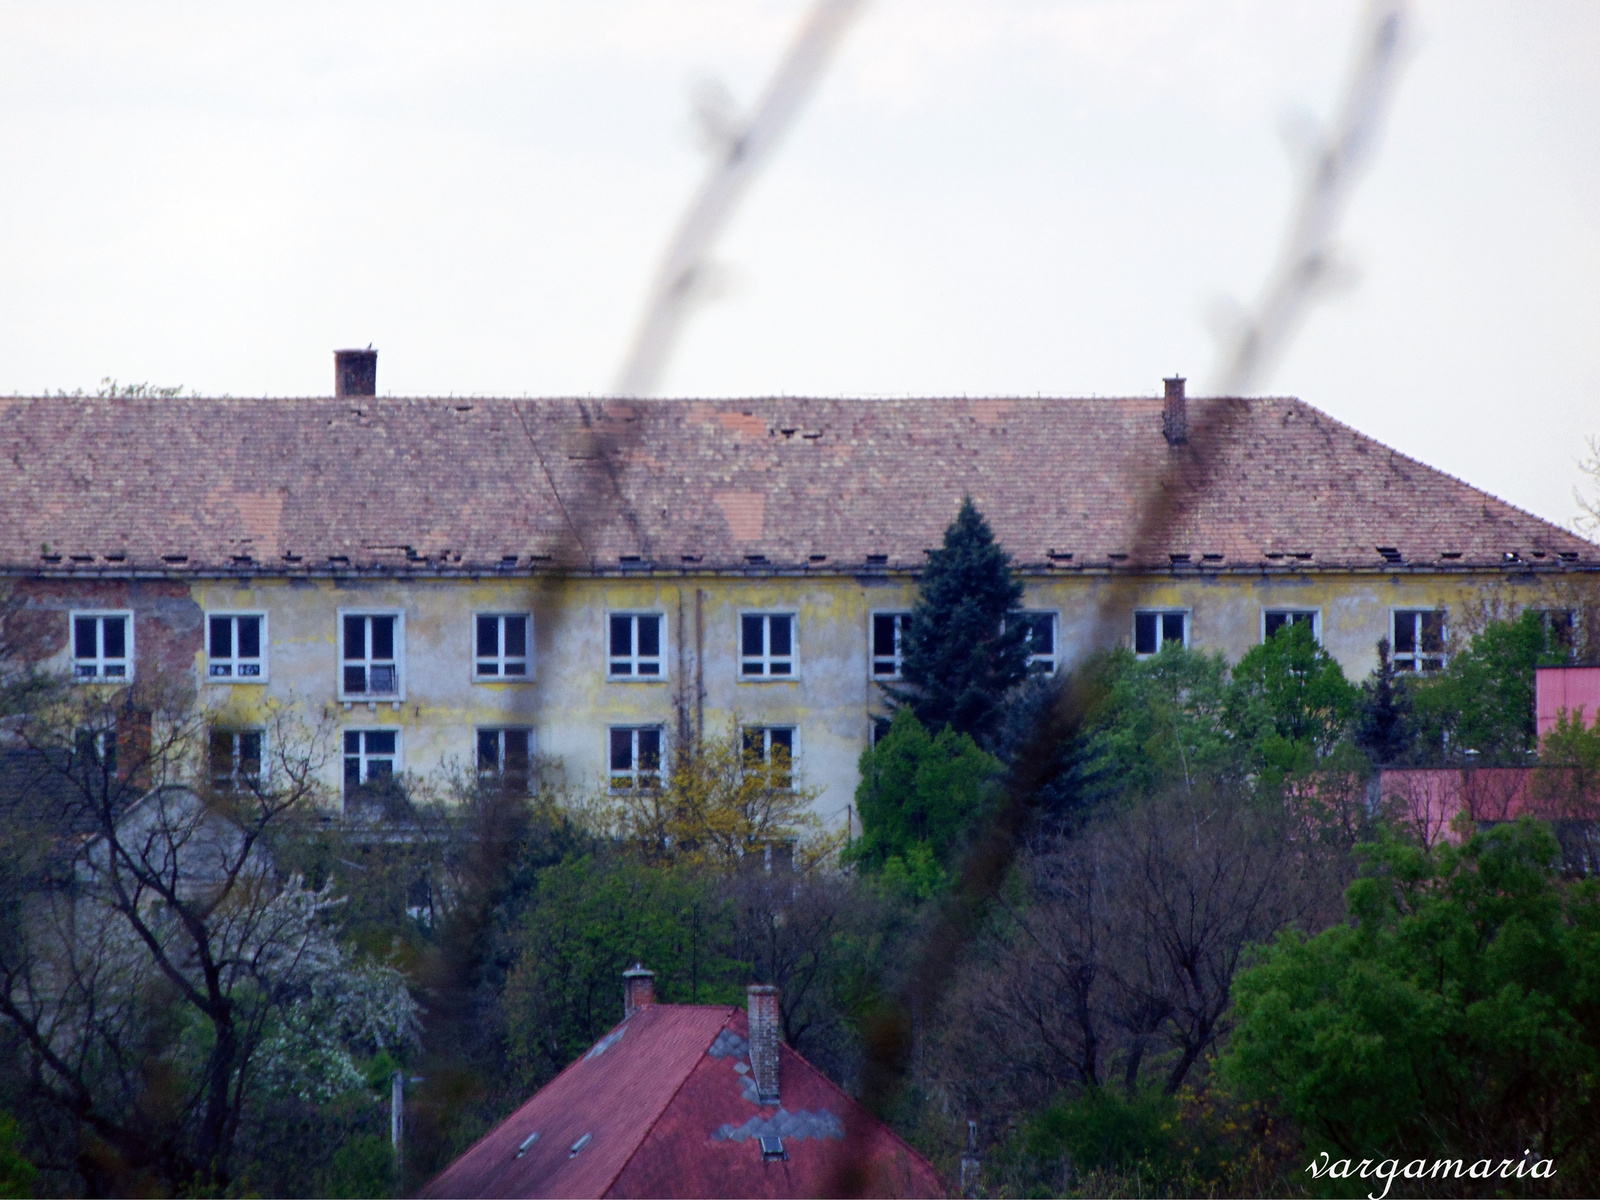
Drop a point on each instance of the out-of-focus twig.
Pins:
(1191, 470)
(1309, 251)
(740, 149)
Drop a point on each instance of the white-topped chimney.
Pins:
(638, 989)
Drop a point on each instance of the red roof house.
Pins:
(685, 1100)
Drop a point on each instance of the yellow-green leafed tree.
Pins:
(727, 801)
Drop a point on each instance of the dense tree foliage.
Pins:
(1455, 1016)
(1290, 702)
(1482, 701)
(920, 796)
(961, 658)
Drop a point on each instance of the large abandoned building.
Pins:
(469, 582)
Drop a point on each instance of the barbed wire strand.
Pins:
(740, 150)
(1189, 471)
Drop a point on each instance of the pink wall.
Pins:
(1569, 688)
(1429, 799)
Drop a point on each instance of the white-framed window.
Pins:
(633, 754)
(370, 755)
(633, 646)
(1041, 640)
(772, 745)
(1155, 628)
(501, 646)
(766, 646)
(505, 754)
(888, 643)
(236, 757)
(1274, 619)
(1418, 639)
(371, 652)
(236, 647)
(102, 646)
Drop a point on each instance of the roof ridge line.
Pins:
(650, 1125)
(1453, 478)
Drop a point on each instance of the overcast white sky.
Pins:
(982, 198)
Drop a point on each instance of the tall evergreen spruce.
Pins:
(959, 657)
(1383, 723)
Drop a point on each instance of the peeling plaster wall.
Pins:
(569, 702)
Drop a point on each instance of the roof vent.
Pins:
(1175, 416)
(772, 1148)
(355, 372)
(527, 1143)
(762, 1010)
(1390, 553)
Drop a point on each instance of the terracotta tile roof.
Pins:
(667, 1111)
(223, 484)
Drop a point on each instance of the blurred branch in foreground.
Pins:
(1308, 256)
(739, 149)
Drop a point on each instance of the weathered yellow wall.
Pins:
(569, 701)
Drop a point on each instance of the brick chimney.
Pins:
(762, 1003)
(638, 990)
(355, 372)
(1175, 417)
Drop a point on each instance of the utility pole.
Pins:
(397, 1126)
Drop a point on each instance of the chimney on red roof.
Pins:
(1175, 417)
(762, 1003)
(355, 372)
(638, 990)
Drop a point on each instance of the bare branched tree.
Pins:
(156, 971)
(1588, 522)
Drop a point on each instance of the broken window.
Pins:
(1154, 629)
(371, 655)
(771, 745)
(1560, 630)
(1274, 619)
(235, 645)
(766, 645)
(635, 757)
(370, 755)
(235, 758)
(1040, 640)
(501, 646)
(1418, 640)
(504, 756)
(102, 646)
(635, 646)
(888, 639)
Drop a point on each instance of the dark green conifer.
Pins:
(961, 656)
(1383, 723)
